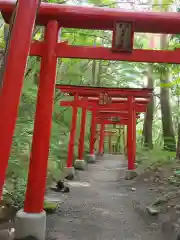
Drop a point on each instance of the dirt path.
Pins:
(101, 208)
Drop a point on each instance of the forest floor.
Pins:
(102, 205)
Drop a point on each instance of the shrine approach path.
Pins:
(100, 206)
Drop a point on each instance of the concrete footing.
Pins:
(69, 173)
(28, 224)
(91, 158)
(130, 174)
(80, 164)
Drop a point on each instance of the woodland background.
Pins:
(158, 132)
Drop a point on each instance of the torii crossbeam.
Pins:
(95, 18)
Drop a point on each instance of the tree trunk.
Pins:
(98, 83)
(148, 121)
(178, 143)
(166, 114)
(94, 72)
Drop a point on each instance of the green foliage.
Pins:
(80, 72)
(155, 157)
(17, 194)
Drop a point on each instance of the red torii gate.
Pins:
(95, 115)
(110, 133)
(91, 156)
(124, 121)
(54, 17)
(107, 133)
(106, 118)
(130, 105)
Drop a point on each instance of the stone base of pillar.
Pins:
(80, 164)
(130, 174)
(91, 158)
(69, 173)
(28, 224)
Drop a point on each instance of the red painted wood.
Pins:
(100, 53)
(134, 137)
(113, 114)
(137, 55)
(122, 100)
(109, 122)
(93, 133)
(37, 48)
(14, 76)
(131, 134)
(98, 18)
(107, 131)
(121, 118)
(94, 104)
(110, 107)
(101, 138)
(82, 135)
(34, 202)
(69, 163)
(138, 108)
(112, 92)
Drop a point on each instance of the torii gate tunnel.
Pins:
(111, 134)
(114, 118)
(54, 17)
(107, 133)
(131, 102)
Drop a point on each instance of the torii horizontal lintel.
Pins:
(84, 91)
(138, 101)
(107, 131)
(109, 134)
(99, 18)
(101, 53)
(113, 114)
(109, 122)
(101, 118)
(138, 108)
(63, 50)
(118, 107)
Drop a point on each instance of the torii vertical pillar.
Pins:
(101, 139)
(91, 158)
(14, 69)
(124, 140)
(131, 132)
(80, 163)
(69, 169)
(31, 221)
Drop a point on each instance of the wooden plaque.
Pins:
(123, 37)
(104, 99)
(115, 119)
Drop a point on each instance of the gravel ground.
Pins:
(99, 207)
